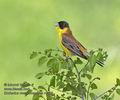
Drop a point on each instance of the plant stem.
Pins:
(78, 74)
(77, 71)
(88, 90)
(82, 97)
(113, 88)
(34, 87)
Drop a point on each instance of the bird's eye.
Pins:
(61, 25)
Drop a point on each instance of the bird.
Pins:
(70, 45)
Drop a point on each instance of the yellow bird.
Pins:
(69, 43)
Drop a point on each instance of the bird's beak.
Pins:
(56, 25)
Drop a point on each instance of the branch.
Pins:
(113, 89)
(78, 74)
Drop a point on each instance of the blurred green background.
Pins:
(28, 25)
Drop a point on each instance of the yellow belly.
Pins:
(67, 52)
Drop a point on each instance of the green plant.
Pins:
(70, 78)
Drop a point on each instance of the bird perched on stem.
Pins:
(69, 43)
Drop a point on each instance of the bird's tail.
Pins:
(100, 63)
(87, 55)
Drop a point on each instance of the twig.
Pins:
(88, 91)
(77, 71)
(82, 97)
(113, 88)
(78, 74)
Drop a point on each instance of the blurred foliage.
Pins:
(67, 79)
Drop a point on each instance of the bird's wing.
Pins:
(74, 46)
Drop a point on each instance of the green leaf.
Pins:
(47, 51)
(64, 65)
(102, 55)
(110, 91)
(33, 55)
(78, 61)
(99, 55)
(118, 91)
(111, 98)
(88, 76)
(67, 88)
(42, 87)
(39, 52)
(97, 78)
(118, 81)
(73, 98)
(92, 62)
(59, 57)
(105, 96)
(60, 84)
(52, 81)
(70, 87)
(54, 64)
(25, 84)
(39, 75)
(28, 92)
(68, 97)
(92, 96)
(70, 73)
(70, 64)
(42, 97)
(57, 97)
(105, 55)
(83, 75)
(86, 68)
(51, 62)
(93, 86)
(35, 96)
(55, 68)
(63, 95)
(42, 60)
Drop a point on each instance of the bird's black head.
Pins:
(63, 24)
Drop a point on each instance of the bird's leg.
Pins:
(69, 62)
(67, 58)
(64, 54)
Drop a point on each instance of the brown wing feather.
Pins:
(74, 46)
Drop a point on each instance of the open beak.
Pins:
(56, 25)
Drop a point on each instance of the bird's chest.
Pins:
(67, 52)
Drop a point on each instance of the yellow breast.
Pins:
(67, 52)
